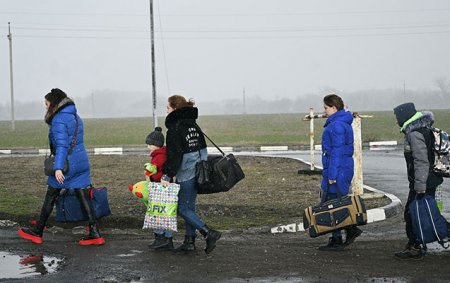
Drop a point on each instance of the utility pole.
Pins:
(13, 125)
(92, 105)
(152, 43)
(243, 101)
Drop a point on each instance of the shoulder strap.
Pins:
(74, 138)
(198, 127)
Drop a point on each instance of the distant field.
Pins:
(233, 130)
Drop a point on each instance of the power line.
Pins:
(263, 14)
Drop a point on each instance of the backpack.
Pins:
(441, 166)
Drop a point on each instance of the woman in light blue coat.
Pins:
(337, 161)
(66, 138)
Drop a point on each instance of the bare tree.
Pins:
(443, 85)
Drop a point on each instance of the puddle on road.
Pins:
(16, 266)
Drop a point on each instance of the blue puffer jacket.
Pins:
(61, 132)
(337, 152)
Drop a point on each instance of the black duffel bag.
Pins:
(218, 174)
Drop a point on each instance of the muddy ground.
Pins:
(272, 193)
(247, 251)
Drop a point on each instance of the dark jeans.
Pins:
(186, 206)
(411, 196)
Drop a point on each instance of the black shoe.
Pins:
(352, 233)
(212, 236)
(159, 238)
(411, 252)
(334, 244)
(188, 244)
(165, 245)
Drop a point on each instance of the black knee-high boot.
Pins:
(34, 234)
(94, 237)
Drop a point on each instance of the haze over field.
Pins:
(232, 57)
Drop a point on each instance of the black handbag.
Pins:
(49, 161)
(219, 173)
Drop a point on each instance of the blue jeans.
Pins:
(186, 206)
(167, 233)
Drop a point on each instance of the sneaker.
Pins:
(352, 233)
(165, 245)
(88, 241)
(29, 234)
(159, 238)
(334, 244)
(411, 252)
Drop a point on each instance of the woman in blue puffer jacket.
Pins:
(66, 138)
(337, 161)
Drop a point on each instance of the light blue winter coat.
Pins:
(337, 152)
(61, 132)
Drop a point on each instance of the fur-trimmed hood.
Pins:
(49, 115)
(426, 120)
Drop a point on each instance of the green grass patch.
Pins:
(226, 130)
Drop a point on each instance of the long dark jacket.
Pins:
(183, 136)
(418, 151)
(337, 152)
(61, 132)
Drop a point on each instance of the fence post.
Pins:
(357, 181)
(311, 138)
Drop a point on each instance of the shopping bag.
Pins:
(69, 208)
(162, 207)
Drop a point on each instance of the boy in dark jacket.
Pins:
(419, 156)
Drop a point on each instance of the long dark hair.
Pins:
(55, 96)
(334, 100)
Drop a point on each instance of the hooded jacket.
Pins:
(158, 158)
(62, 127)
(184, 141)
(418, 152)
(337, 152)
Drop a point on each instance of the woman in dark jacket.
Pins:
(337, 161)
(66, 138)
(186, 146)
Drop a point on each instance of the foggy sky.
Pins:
(210, 49)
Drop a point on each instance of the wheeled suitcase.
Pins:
(334, 214)
(428, 225)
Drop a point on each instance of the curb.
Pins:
(382, 145)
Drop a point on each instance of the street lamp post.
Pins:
(152, 43)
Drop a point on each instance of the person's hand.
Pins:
(165, 180)
(59, 176)
(331, 182)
